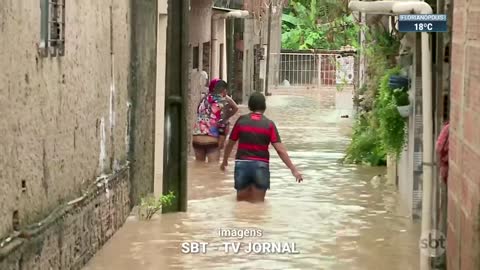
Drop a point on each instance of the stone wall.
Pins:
(463, 233)
(71, 235)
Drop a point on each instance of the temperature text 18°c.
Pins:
(424, 27)
(422, 23)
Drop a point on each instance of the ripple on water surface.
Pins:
(337, 218)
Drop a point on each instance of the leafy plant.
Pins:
(379, 50)
(380, 129)
(149, 205)
(401, 97)
(366, 146)
(318, 24)
(392, 126)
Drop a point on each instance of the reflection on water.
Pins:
(338, 218)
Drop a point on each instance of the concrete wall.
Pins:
(54, 110)
(249, 41)
(200, 23)
(142, 96)
(68, 120)
(256, 32)
(69, 238)
(276, 44)
(160, 95)
(463, 233)
(218, 38)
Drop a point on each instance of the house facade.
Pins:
(228, 40)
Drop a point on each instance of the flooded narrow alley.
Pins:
(338, 217)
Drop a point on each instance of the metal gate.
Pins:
(312, 70)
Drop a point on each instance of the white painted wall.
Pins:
(218, 37)
(160, 96)
(406, 165)
(200, 26)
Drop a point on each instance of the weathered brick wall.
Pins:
(72, 234)
(463, 234)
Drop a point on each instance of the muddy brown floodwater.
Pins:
(338, 218)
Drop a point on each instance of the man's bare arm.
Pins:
(283, 154)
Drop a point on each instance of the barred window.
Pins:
(52, 31)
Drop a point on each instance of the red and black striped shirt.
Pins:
(254, 133)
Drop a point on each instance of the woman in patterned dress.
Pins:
(210, 126)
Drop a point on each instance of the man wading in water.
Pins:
(254, 133)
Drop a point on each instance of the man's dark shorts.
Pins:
(255, 173)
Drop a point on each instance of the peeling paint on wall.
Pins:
(103, 150)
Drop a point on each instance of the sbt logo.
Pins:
(194, 247)
(433, 243)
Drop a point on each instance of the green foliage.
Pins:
(380, 130)
(322, 24)
(392, 126)
(366, 146)
(327, 24)
(401, 97)
(150, 205)
(380, 50)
